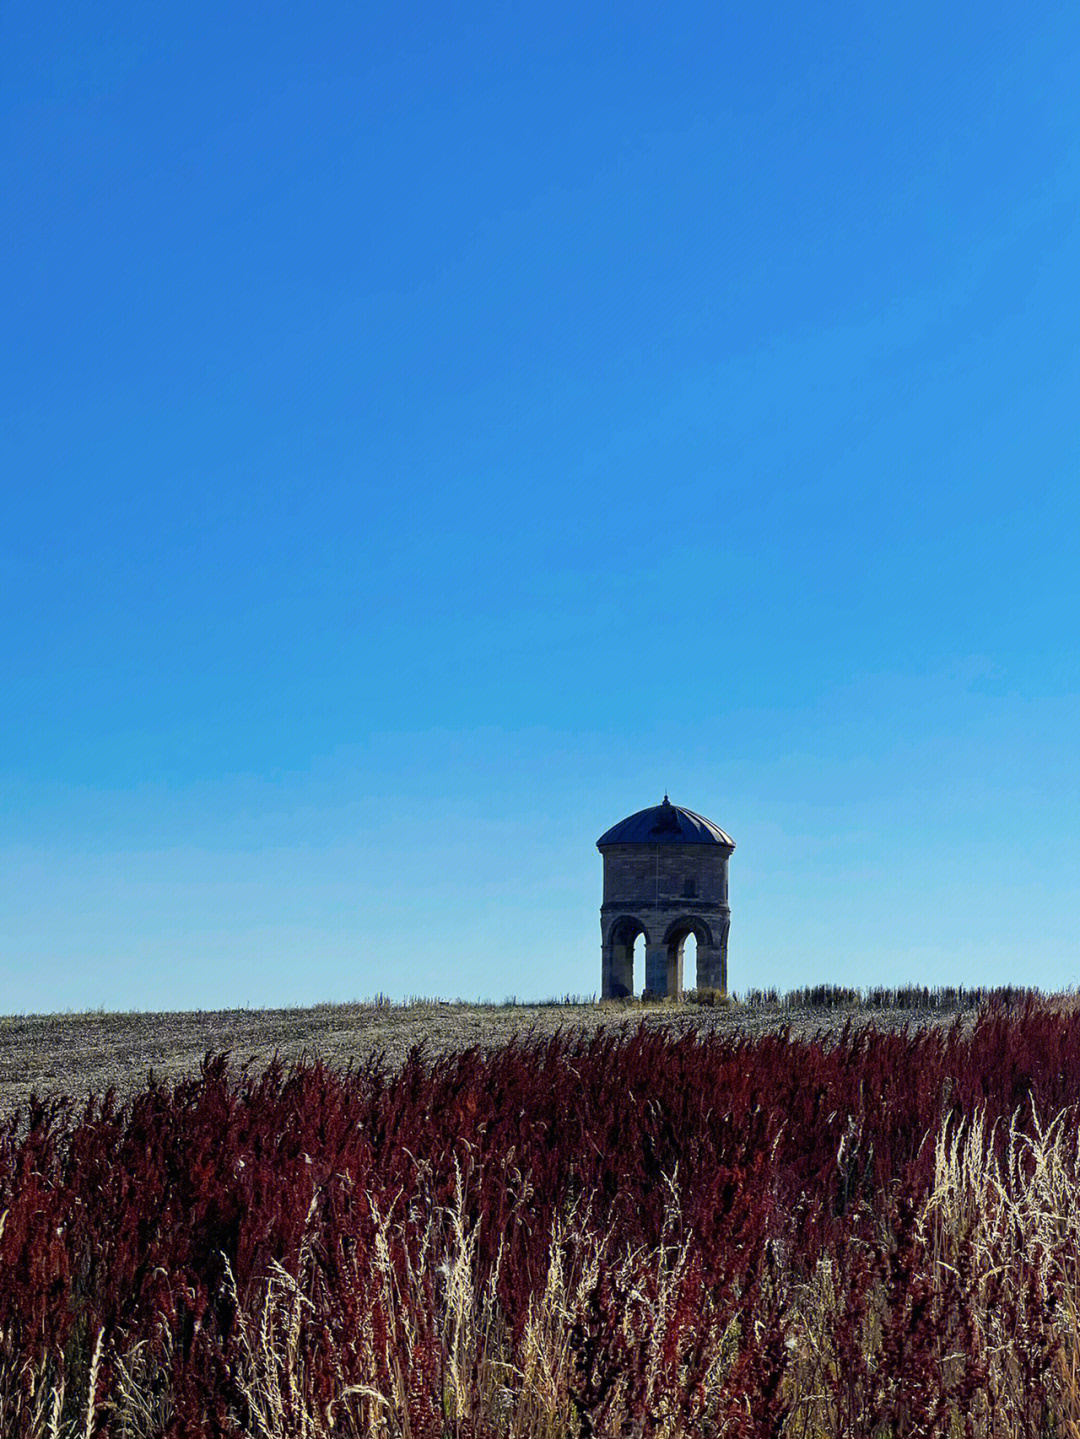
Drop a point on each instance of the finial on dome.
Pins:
(666, 800)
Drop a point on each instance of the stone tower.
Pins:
(665, 876)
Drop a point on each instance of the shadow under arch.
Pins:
(678, 929)
(622, 935)
(675, 937)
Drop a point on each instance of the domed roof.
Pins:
(665, 823)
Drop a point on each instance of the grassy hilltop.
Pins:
(76, 1053)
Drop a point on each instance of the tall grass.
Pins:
(908, 997)
(587, 1235)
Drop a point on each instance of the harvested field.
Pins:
(74, 1054)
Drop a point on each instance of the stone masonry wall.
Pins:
(666, 891)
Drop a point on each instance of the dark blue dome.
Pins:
(665, 823)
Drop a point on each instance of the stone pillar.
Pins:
(656, 969)
(617, 971)
(675, 969)
(710, 967)
(607, 972)
(712, 960)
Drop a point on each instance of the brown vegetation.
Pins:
(871, 1234)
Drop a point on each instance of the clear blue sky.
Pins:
(431, 431)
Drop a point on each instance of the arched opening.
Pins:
(682, 940)
(639, 965)
(689, 962)
(625, 958)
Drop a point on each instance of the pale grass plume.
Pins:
(1004, 1232)
(1016, 1218)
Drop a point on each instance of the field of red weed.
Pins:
(604, 1234)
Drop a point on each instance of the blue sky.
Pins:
(431, 432)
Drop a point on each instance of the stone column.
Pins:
(607, 972)
(675, 970)
(710, 967)
(617, 972)
(656, 969)
(712, 959)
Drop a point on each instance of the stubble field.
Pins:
(73, 1054)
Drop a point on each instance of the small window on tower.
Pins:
(689, 889)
